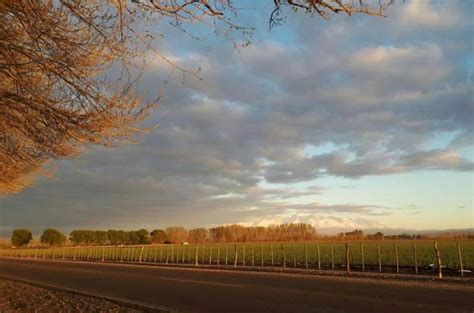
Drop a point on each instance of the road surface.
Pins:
(189, 290)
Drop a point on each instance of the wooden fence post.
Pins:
(415, 257)
(362, 255)
(438, 256)
(271, 248)
(196, 258)
(203, 254)
(218, 254)
(121, 254)
(380, 258)
(103, 254)
(319, 256)
(306, 255)
(348, 266)
(253, 255)
(172, 253)
(460, 260)
(332, 256)
(396, 257)
(235, 256)
(141, 252)
(226, 254)
(283, 256)
(243, 255)
(294, 254)
(261, 250)
(161, 253)
(210, 255)
(156, 254)
(167, 254)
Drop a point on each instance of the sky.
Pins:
(356, 122)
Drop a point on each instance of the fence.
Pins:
(417, 257)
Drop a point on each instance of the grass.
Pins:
(254, 254)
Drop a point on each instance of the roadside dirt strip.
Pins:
(20, 297)
(206, 290)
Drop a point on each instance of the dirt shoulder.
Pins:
(19, 297)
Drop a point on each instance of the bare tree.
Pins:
(177, 234)
(197, 235)
(54, 97)
(52, 100)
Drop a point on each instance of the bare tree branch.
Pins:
(54, 101)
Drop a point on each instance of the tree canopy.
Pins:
(21, 237)
(53, 237)
(55, 99)
(158, 236)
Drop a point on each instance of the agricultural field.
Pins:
(363, 255)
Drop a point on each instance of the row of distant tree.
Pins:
(359, 234)
(52, 237)
(179, 234)
(220, 234)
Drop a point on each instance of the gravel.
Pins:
(19, 297)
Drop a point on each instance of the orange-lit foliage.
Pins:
(53, 99)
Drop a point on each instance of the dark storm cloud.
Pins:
(374, 88)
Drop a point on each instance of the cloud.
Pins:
(412, 66)
(426, 13)
(437, 159)
(341, 163)
(374, 91)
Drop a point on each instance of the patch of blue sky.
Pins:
(324, 148)
(444, 197)
(467, 153)
(442, 140)
(441, 197)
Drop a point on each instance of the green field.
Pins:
(297, 255)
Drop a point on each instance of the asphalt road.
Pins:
(189, 290)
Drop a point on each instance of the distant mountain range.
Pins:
(396, 231)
